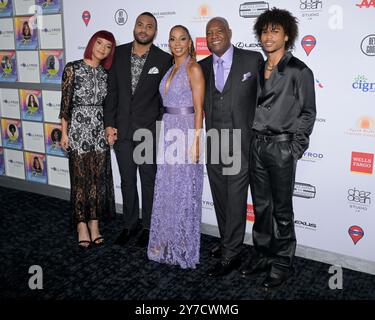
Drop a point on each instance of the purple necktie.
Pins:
(220, 75)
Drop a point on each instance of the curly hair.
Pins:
(278, 17)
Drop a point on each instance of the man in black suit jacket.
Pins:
(229, 105)
(283, 122)
(133, 102)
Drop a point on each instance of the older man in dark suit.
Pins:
(133, 102)
(229, 105)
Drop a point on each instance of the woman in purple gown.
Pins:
(177, 207)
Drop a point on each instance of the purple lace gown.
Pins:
(177, 207)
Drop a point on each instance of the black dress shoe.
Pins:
(125, 236)
(224, 267)
(143, 238)
(275, 280)
(216, 252)
(252, 268)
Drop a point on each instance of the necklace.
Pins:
(269, 68)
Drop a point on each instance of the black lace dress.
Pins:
(83, 91)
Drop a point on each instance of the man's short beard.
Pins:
(144, 42)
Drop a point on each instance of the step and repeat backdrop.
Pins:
(31, 59)
(334, 191)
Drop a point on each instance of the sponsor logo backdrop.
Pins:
(335, 178)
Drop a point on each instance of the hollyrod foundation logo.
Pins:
(312, 156)
(360, 83)
(203, 14)
(362, 162)
(208, 205)
(356, 233)
(365, 127)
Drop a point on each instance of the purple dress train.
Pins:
(177, 207)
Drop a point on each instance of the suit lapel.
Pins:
(235, 71)
(146, 68)
(211, 84)
(125, 67)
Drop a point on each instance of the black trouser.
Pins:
(229, 193)
(128, 172)
(272, 176)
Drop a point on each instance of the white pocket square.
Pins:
(246, 76)
(153, 70)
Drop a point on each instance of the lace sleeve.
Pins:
(67, 92)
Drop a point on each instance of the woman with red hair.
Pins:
(84, 88)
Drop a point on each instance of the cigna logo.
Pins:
(319, 84)
(366, 4)
(361, 83)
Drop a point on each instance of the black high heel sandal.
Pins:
(100, 243)
(84, 247)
